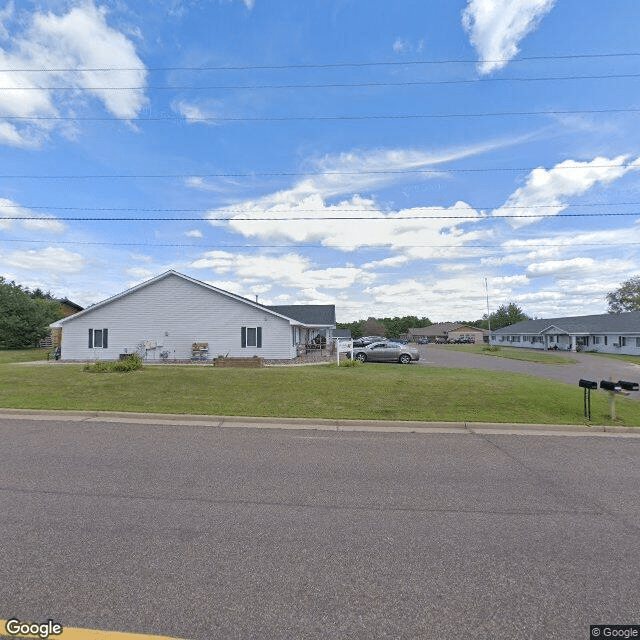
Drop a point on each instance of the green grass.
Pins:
(383, 392)
(616, 356)
(514, 353)
(22, 355)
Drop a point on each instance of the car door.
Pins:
(377, 352)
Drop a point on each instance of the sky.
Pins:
(391, 157)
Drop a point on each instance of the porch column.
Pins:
(573, 343)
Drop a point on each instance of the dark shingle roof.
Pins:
(312, 314)
(603, 323)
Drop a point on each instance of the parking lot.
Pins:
(587, 366)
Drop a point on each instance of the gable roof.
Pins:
(320, 314)
(314, 315)
(603, 323)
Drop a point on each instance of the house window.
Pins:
(251, 337)
(98, 338)
(596, 339)
(605, 340)
(637, 342)
(622, 341)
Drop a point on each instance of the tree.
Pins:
(373, 327)
(506, 315)
(354, 327)
(24, 320)
(626, 297)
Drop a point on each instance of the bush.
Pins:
(487, 348)
(347, 362)
(130, 363)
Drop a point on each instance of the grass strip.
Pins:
(513, 353)
(378, 392)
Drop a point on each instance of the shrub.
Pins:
(130, 363)
(347, 362)
(487, 348)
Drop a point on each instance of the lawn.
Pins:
(22, 355)
(383, 392)
(513, 353)
(616, 356)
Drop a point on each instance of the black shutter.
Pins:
(104, 338)
(243, 337)
(259, 337)
(90, 338)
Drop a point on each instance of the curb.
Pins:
(323, 424)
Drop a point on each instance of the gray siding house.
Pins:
(167, 315)
(607, 333)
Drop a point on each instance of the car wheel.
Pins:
(361, 356)
(405, 358)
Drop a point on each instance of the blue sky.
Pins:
(370, 155)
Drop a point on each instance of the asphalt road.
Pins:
(587, 366)
(205, 533)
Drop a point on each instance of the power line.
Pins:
(316, 218)
(312, 118)
(272, 174)
(332, 85)
(325, 65)
(275, 210)
(320, 246)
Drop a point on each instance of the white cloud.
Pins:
(58, 45)
(10, 209)
(51, 259)
(139, 272)
(193, 113)
(289, 270)
(194, 233)
(496, 27)
(434, 229)
(546, 190)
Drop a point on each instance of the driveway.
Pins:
(589, 367)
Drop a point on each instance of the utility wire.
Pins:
(231, 210)
(332, 85)
(315, 218)
(311, 118)
(272, 174)
(326, 65)
(569, 244)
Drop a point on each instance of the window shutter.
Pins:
(90, 338)
(104, 338)
(243, 337)
(259, 337)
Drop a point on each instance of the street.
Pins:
(202, 533)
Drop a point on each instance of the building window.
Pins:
(596, 339)
(622, 341)
(251, 337)
(98, 338)
(605, 340)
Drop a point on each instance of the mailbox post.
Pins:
(587, 385)
(622, 387)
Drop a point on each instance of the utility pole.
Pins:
(486, 286)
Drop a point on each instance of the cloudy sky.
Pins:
(383, 155)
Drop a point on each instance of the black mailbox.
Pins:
(607, 385)
(588, 384)
(628, 386)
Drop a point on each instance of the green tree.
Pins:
(24, 320)
(354, 327)
(626, 297)
(506, 315)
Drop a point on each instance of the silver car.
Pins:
(386, 351)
